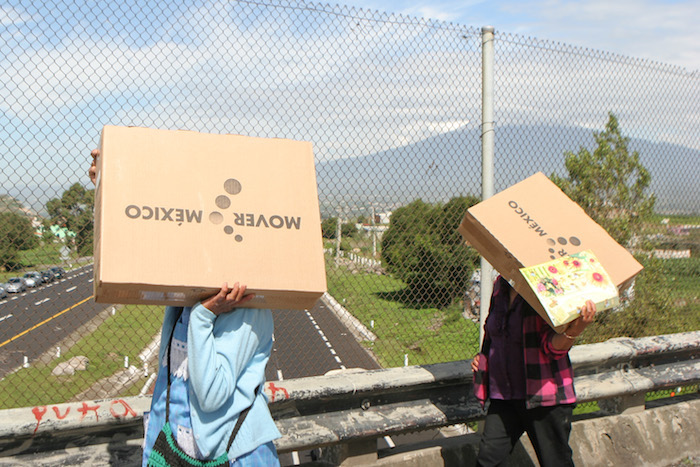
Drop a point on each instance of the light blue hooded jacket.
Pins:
(226, 357)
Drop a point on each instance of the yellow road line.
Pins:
(45, 321)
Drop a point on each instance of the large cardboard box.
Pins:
(178, 213)
(533, 222)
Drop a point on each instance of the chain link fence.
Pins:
(392, 105)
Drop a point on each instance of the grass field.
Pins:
(424, 335)
(126, 333)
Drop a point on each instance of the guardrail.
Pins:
(352, 407)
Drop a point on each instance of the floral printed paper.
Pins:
(564, 284)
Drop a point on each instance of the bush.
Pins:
(423, 248)
(329, 228)
(652, 310)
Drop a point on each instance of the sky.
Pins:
(316, 72)
(661, 30)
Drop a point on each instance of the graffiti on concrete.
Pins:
(118, 408)
(274, 389)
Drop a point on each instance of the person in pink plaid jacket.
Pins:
(524, 371)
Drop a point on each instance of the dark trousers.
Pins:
(548, 428)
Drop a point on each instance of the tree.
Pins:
(423, 248)
(610, 184)
(329, 229)
(16, 234)
(74, 210)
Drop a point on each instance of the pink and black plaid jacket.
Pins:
(549, 377)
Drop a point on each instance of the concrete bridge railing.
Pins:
(346, 412)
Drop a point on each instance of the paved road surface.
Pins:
(32, 322)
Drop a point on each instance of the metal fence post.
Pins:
(487, 144)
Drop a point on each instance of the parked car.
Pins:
(3, 292)
(58, 271)
(48, 276)
(29, 282)
(33, 279)
(16, 285)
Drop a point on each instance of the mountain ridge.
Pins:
(447, 165)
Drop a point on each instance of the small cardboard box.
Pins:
(178, 213)
(533, 222)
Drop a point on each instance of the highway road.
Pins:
(34, 321)
(311, 343)
(307, 343)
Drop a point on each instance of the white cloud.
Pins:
(12, 16)
(351, 79)
(661, 30)
(350, 87)
(658, 30)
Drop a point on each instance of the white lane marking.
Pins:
(71, 289)
(6, 317)
(42, 301)
(326, 341)
(279, 375)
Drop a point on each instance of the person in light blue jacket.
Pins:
(218, 352)
(217, 369)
